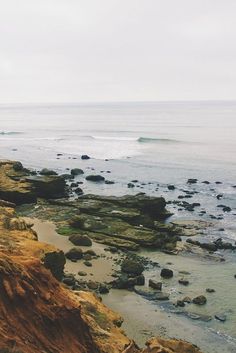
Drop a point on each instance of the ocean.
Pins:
(157, 144)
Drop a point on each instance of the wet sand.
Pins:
(102, 268)
(144, 318)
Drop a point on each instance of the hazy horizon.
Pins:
(57, 51)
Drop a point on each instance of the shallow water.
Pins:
(156, 143)
(162, 318)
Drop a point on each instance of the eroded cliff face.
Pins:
(37, 314)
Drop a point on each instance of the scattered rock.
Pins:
(171, 187)
(132, 267)
(88, 263)
(192, 181)
(167, 273)
(103, 289)
(46, 171)
(76, 171)
(85, 156)
(155, 285)
(184, 282)
(74, 254)
(221, 317)
(180, 303)
(95, 178)
(69, 280)
(151, 294)
(82, 273)
(200, 300)
(81, 240)
(210, 290)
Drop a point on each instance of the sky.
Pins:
(117, 50)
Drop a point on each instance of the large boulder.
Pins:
(76, 171)
(52, 186)
(79, 239)
(74, 254)
(13, 186)
(167, 273)
(55, 262)
(46, 171)
(95, 178)
(132, 267)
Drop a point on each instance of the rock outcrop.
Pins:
(126, 222)
(18, 186)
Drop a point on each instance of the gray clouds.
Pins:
(117, 50)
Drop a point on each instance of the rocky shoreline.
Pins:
(122, 225)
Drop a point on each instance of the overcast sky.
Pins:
(117, 50)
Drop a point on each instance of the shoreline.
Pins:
(60, 212)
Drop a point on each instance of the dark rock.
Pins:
(74, 254)
(84, 157)
(167, 273)
(132, 267)
(109, 182)
(155, 285)
(187, 300)
(90, 252)
(103, 289)
(221, 317)
(171, 187)
(88, 263)
(81, 240)
(180, 303)
(93, 285)
(95, 178)
(140, 280)
(82, 273)
(78, 191)
(206, 182)
(55, 262)
(151, 294)
(87, 257)
(219, 196)
(192, 181)
(76, 171)
(130, 185)
(46, 171)
(69, 280)
(184, 282)
(200, 300)
(210, 290)
(226, 209)
(51, 186)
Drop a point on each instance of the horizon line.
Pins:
(117, 102)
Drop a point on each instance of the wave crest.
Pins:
(10, 132)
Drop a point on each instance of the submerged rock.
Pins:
(85, 156)
(200, 300)
(151, 294)
(76, 171)
(155, 285)
(95, 178)
(46, 171)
